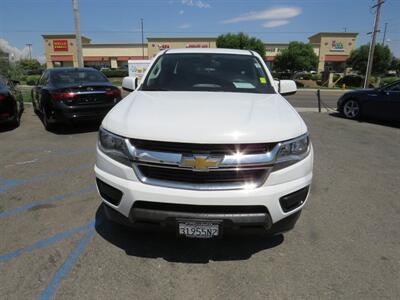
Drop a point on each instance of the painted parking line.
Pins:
(6, 184)
(69, 263)
(50, 154)
(52, 199)
(46, 242)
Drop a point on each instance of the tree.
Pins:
(30, 66)
(395, 65)
(382, 59)
(297, 57)
(4, 65)
(241, 41)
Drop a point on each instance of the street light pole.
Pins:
(79, 56)
(373, 42)
(141, 25)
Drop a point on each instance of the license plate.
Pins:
(201, 230)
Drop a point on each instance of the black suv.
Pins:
(64, 95)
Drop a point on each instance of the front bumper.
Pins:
(259, 207)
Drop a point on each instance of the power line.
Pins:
(384, 34)
(30, 50)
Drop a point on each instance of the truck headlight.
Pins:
(292, 151)
(114, 146)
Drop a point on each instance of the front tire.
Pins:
(351, 109)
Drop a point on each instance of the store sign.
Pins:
(163, 46)
(337, 46)
(60, 45)
(196, 46)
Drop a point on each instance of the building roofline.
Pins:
(267, 44)
(94, 45)
(62, 35)
(327, 33)
(182, 38)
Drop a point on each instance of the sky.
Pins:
(24, 21)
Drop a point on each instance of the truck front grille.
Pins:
(189, 176)
(227, 166)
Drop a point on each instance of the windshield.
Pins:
(207, 72)
(77, 76)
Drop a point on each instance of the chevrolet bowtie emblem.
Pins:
(200, 162)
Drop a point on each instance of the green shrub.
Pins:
(115, 73)
(316, 77)
(31, 79)
(386, 80)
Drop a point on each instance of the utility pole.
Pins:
(30, 50)
(78, 34)
(373, 42)
(141, 25)
(384, 35)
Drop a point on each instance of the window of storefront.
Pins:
(98, 64)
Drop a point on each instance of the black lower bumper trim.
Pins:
(140, 218)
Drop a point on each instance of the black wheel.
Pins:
(17, 120)
(35, 108)
(46, 120)
(351, 109)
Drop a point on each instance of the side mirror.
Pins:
(287, 87)
(129, 84)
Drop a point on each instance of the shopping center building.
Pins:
(332, 49)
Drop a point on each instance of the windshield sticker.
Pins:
(243, 85)
(263, 80)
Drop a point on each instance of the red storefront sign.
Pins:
(60, 45)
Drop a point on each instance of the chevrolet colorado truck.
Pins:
(204, 144)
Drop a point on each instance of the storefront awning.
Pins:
(126, 58)
(61, 57)
(338, 58)
(96, 58)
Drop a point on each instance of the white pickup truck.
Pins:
(203, 145)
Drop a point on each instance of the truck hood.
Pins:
(205, 117)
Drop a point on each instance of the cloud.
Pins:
(181, 12)
(196, 3)
(14, 52)
(185, 26)
(275, 13)
(275, 23)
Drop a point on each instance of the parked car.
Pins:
(381, 103)
(11, 103)
(203, 144)
(73, 94)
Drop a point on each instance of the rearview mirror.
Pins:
(129, 84)
(287, 87)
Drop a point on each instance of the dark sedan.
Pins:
(64, 95)
(381, 103)
(11, 103)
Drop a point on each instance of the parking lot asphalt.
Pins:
(56, 243)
